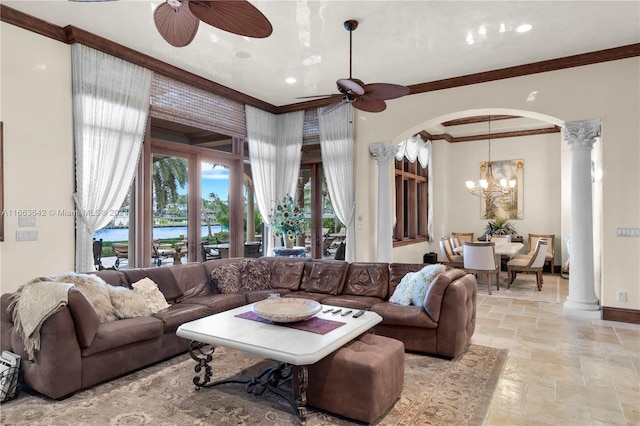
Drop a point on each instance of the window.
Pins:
(411, 185)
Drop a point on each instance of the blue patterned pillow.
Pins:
(425, 276)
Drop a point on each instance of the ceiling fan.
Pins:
(177, 21)
(365, 97)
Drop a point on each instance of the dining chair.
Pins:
(457, 238)
(480, 258)
(449, 258)
(529, 264)
(551, 238)
(501, 239)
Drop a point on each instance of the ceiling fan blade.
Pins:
(370, 105)
(235, 16)
(315, 96)
(177, 25)
(383, 91)
(350, 85)
(334, 106)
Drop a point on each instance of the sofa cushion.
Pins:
(191, 278)
(162, 276)
(124, 332)
(351, 301)
(435, 293)
(180, 313)
(367, 279)
(403, 316)
(287, 274)
(218, 302)
(327, 277)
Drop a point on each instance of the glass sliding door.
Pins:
(214, 179)
(170, 209)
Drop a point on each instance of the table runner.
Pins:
(314, 324)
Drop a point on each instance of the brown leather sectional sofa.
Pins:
(77, 351)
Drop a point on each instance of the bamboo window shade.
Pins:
(183, 103)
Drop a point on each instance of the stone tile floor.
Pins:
(560, 370)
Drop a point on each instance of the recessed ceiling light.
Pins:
(243, 55)
(290, 80)
(524, 28)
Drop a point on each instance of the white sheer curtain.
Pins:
(275, 143)
(110, 106)
(336, 144)
(416, 148)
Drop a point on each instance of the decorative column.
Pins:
(384, 154)
(582, 300)
(251, 221)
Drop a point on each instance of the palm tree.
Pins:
(168, 174)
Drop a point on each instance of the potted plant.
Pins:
(500, 226)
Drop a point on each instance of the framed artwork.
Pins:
(508, 206)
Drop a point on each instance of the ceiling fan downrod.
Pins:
(350, 26)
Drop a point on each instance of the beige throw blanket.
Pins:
(32, 304)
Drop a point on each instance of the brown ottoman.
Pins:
(361, 380)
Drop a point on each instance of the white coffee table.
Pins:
(289, 346)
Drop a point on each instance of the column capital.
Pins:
(582, 134)
(383, 151)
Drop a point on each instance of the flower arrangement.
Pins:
(288, 219)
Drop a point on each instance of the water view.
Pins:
(159, 232)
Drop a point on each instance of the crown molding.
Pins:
(70, 34)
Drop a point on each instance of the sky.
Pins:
(214, 179)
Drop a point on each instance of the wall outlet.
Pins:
(622, 296)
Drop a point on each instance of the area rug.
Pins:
(436, 392)
(554, 288)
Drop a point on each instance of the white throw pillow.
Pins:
(150, 292)
(127, 303)
(403, 292)
(425, 276)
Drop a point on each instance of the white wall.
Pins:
(36, 111)
(609, 91)
(38, 154)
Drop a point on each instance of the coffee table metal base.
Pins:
(277, 379)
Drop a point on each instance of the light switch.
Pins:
(26, 235)
(26, 221)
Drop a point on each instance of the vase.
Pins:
(288, 243)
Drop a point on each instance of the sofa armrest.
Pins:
(56, 370)
(457, 316)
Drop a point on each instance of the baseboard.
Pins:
(621, 315)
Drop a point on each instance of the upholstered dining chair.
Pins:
(551, 238)
(449, 258)
(533, 263)
(457, 238)
(480, 258)
(501, 239)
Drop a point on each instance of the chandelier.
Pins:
(489, 188)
